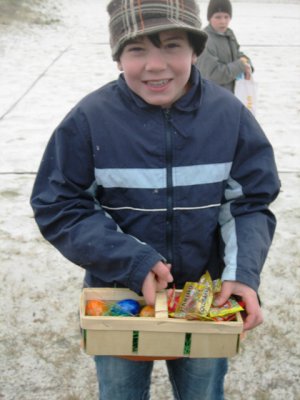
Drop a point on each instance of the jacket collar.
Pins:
(187, 103)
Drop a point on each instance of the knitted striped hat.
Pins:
(132, 18)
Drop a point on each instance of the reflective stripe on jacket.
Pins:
(123, 184)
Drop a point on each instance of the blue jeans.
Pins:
(191, 378)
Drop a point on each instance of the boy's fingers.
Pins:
(162, 272)
(149, 288)
(223, 296)
(157, 279)
(254, 315)
(252, 320)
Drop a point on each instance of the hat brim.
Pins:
(156, 28)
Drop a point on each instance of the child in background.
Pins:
(155, 178)
(222, 61)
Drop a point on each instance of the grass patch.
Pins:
(24, 11)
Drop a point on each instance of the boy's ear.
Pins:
(194, 58)
(119, 66)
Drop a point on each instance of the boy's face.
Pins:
(158, 75)
(220, 21)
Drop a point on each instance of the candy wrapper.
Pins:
(230, 307)
(217, 286)
(196, 299)
(173, 299)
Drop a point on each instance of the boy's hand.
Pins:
(254, 315)
(248, 71)
(247, 68)
(156, 280)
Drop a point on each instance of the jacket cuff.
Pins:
(143, 267)
(236, 68)
(251, 280)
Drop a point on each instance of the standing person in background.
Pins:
(222, 61)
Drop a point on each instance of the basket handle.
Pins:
(161, 305)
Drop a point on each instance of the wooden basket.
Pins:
(158, 337)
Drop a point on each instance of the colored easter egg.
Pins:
(147, 311)
(126, 307)
(95, 308)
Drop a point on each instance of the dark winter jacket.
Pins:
(219, 61)
(124, 184)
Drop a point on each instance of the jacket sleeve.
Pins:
(242, 54)
(69, 217)
(247, 224)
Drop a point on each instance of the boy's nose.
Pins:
(155, 60)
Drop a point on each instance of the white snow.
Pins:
(44, 71)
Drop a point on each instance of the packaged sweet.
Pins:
(173, 299)
(196, 302)
(196, 299)
(230, 307)
(217, 285)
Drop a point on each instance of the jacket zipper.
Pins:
(169, 184)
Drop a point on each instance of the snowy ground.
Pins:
(45, 68)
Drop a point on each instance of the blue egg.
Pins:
(126, 307)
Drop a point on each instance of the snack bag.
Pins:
(173, 299)
(230, 307)
(205, 297)
(187, 300)
(217, 285)
(195, 302)
(206, 279)
(196, 299)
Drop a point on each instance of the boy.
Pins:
(156, 178)
(222, 61)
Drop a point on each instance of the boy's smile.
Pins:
(159, 75)
(157, 85)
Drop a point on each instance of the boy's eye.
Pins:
(173, 45)
(135, 48)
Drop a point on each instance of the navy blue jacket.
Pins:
(124, 184)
